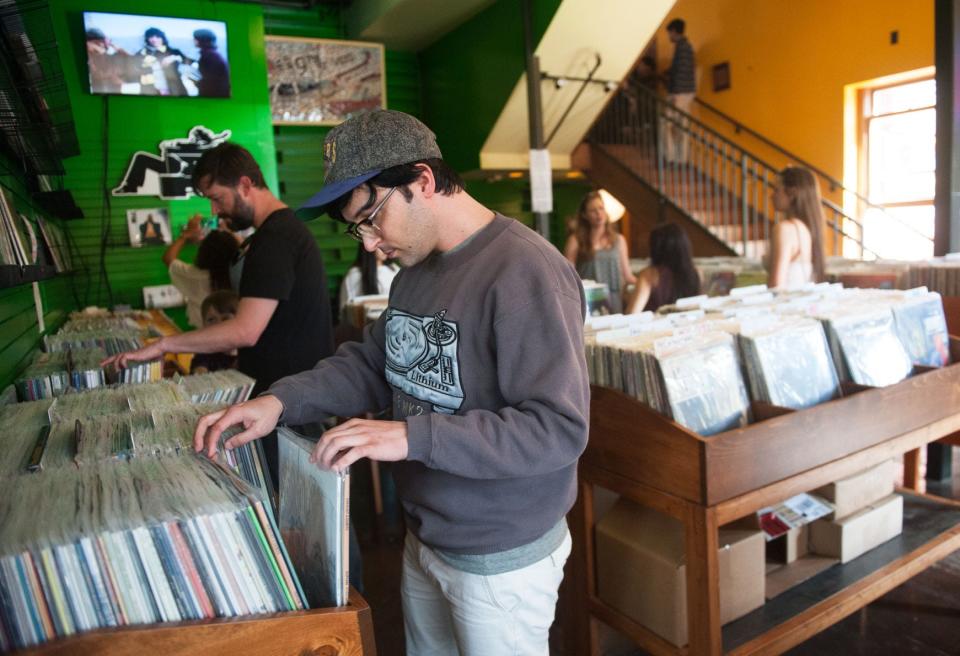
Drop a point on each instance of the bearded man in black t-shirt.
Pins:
(283, 323)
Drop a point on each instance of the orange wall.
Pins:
(789, 62)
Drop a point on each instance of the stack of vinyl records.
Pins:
(135, 527)
(314, 521)
(201, 544)
(865, 346)
(698, 383)
(922, 328)
(688, 373)
(363, 309)
(788, 362)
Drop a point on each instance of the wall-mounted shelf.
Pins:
(12, 275)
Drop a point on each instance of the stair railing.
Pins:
(716, 182)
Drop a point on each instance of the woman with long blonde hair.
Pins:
(796, 252)
(598, 251)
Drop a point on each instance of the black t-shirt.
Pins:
(284, 263)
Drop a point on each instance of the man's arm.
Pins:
(348, 383)
(253, 315)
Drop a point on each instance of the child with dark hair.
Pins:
(210, 270)
(216, 308)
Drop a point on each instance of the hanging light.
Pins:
(615, 209)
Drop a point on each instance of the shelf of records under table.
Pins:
(931, 530)
(631, 440)
(12, 275)
(343, 631)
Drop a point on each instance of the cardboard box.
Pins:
(642, 573)
(860, 532)
(860, 490)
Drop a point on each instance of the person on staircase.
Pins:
(598, 251)
(796, 250)
(681, 90)
(671, 274)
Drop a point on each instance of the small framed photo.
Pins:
(149, 227)
(721, 76)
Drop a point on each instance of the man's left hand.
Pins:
(361, 438)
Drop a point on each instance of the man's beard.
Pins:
(241, 217)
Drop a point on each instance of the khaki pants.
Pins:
(677, 147)
(450, 612)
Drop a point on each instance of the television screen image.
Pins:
(156, 56)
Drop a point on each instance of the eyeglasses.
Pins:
(366, 227)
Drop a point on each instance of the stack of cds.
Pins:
(865, 345)
(228, 386)
(788, 363)
(52, 374)
(116, 341)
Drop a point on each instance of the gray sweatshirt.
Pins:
(481, 352)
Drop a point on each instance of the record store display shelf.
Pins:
(345, 631)
(706, 482)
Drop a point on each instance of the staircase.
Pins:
(717, 184)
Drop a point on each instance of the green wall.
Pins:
(111, 129)
(470, 72)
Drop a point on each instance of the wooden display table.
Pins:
(706, 482)
(346, 631)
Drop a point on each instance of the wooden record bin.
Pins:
(706, 482)
(344, 631)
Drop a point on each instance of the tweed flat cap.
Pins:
(362, 147)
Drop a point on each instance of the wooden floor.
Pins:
(922, 616)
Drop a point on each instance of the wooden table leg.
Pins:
(703, 582)
(911, 470)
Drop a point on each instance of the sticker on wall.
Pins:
(168, 175)
(148, 227)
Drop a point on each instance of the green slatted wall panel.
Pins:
(18, 331)
(128, 124)
(300, 149)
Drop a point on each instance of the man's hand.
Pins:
(361, 438)
(148, 352)
(258, 417)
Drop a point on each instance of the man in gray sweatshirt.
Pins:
(480, 355)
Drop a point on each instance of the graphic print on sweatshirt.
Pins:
(422, 358)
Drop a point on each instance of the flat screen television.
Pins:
(156, 56)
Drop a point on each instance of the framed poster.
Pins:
(323, 81)
(149, 227)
